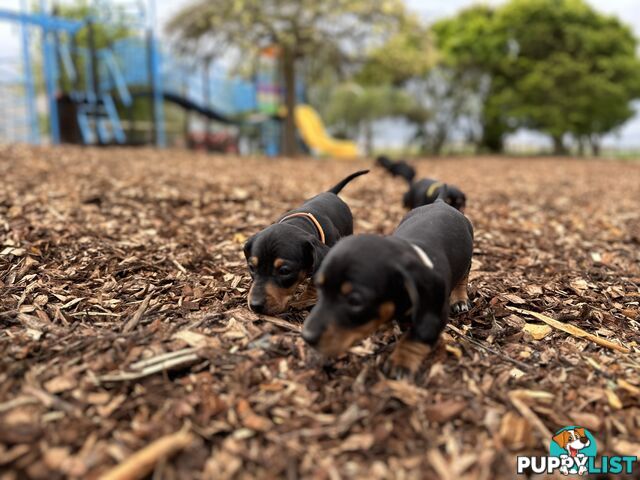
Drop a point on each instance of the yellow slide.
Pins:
(316, 137)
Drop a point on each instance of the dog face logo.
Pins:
(572, 440)
(573, 445)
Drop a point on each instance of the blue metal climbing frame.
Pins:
(135, 62)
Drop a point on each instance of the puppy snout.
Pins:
(312, 338)
(257, 300)
(257, 306)
(316, 326)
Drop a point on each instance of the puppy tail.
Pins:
(340, 185)
(405, 171)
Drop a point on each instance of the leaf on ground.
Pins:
(537, 331)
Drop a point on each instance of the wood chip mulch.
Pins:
(124, 328)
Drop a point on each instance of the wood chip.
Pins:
(537, 332)
(625, 447)
(444, 411)
(532, 418)
(141, 463)
(613, 399)
(132, 323)
(572, 330)
(633, 389)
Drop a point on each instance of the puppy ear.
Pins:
(315, 251)
(562, 438)
(429, 303)
(411, 290)
(247, 247)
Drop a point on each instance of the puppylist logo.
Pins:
(573, 451)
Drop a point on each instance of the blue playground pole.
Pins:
(156, 78)
(50, 83)
(30, 91)
(49, 56)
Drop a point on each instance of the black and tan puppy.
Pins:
(282, 255)
(424, 191)
(416, 276)
(398, 168)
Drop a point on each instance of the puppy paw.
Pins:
(460, 307)
(316, 359)
(405, 360)
(397, 372)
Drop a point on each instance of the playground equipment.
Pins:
(87, 105)
(91, 92)
(315, 135)
(88, 89)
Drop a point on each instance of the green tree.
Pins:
(301, 29)
(575, 70)
(353, 109)
(406, 55)
(474, 48)
(556, 66)
(441, 103)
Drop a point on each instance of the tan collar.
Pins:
(309, 217)
(433, 188)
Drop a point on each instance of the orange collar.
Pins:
(309, 217)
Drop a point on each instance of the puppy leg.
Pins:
(414, 346)
(459, 298)
(406, 358)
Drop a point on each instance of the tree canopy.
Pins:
(556, 66)
(575, 70)
(406, 55)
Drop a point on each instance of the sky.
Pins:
(429, 10)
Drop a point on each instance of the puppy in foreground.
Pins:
(423, 191)
(416, 276)
(282, 255)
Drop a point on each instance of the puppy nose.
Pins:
(310, 337)
(257, 307)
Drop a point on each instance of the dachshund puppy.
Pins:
(282, 255)
(416, 276)
(397, 169)
(424, 191)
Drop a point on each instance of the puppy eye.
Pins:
(355, 300)
(284, 271)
